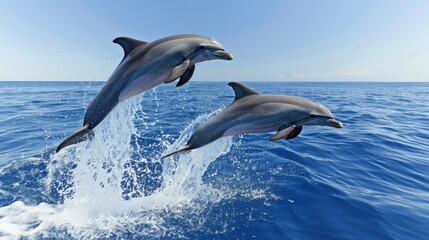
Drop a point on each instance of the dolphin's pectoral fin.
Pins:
(178, 71)
(128, 44)
(241, 90)
(294, 133)
(186, 75)
(282, 132)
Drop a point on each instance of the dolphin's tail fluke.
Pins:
(184, 149)
(79, 136)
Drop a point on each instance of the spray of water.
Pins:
(89, 180)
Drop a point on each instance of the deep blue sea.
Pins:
(368, 180)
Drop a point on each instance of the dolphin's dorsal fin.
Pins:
(128, 44)
(241, 90)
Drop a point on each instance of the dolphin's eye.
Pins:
(312, 116)
(202, 47)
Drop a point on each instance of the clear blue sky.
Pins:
(368, 40)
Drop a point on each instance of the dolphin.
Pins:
(144, 66)
(251, 112)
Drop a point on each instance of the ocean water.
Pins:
(368, 180)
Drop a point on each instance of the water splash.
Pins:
(89, 180)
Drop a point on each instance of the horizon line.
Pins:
(291, 81)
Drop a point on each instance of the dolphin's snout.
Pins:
(335, 123)
(223, 54)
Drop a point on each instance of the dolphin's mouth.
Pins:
(334, 123)
(223, 54)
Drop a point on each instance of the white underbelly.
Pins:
(250, 128)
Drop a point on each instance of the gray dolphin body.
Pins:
(254, 113)
(144, 66)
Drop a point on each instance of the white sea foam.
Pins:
(93, 204)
